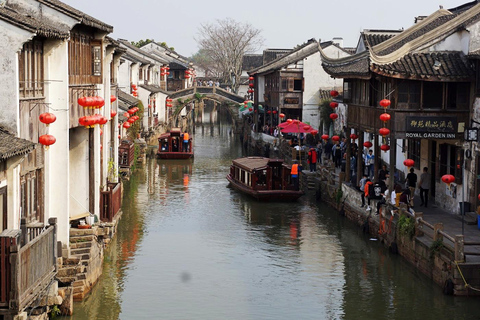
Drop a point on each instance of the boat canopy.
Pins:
(255, 163)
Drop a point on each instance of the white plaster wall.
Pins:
(57, 156)
(143, 96)
(458, 41)
(124, 76)
(13, 193)
(11, 42)
(474, 36)
(160, 106)
(260, 87)
(37, 9)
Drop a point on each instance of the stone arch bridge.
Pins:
(196, 94)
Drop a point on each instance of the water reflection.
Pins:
(188, 247)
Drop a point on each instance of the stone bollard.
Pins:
(459, 248)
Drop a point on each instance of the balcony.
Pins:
(26, 270)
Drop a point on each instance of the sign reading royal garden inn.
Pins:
(431, 127)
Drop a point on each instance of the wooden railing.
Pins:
(28, 269)
(110, 202)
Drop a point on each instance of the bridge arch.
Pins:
(197, 93)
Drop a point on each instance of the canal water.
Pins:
(189, 247)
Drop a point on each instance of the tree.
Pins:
(225, 43)
(142, 42)
(202, 60)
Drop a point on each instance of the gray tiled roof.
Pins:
(12, 146)
(153, 89)
(27, 22)
(127, 99)
(251, 61)
(373, 37)
(357, 66)
(84, 18)
(421, 65)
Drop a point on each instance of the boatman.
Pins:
(185, 142)
(294, 173)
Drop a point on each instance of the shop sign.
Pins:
(291, 101)
(431, 127)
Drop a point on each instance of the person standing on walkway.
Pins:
(411, 183)
(424, 186)
(312, 159)
(370, 163)
(294, 173)
(366, 193)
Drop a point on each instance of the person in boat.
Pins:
(186, 138)
(295, 174)
(174, 145)
(164, 145)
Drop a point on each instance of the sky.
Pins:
(284, 24)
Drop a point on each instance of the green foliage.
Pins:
(136, 127)
(112, 170)
(338, 195)
(54, 312)
(141, 43)
(406, 226)
(436, 246)
(325, 111)
(199, 97)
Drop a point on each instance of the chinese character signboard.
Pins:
(431, 127)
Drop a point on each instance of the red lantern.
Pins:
(408, 163)
(126, 125)
(353, 136)
(47, 118)
(289, 120)
(47, 140)
(367, 144)
(126, 114)
(82, 101)
(169, 100)
(112, 98)
(281, 115)
(333, 116)
(113, 113)
(274, 111)
(250, 109)
(479, 196)
(269, 111)
(251, 85)
(314, 132)
(325, 136)
(384, 132)
(385, 117)
(187, 76)
(334, 93)
(307, 127)
(448, 178)
(251, 78)
(102, 120)
(385, 147)
(250, 90)
(131, 111)
(119, 136)
(131, 120)
(336, 138)
(169, 105)
(385, 103)
(333, 104)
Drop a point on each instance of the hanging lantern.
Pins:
(169, 100)
(385, 147)
(367, 144)
(336, 138)
(448, 178)
(479, 196)
(333, 104)
(325, 136)
(126, 125)
(112, 98)
(289, 120)
(126, 115)
(408, 163)
(385, 117)
(250, 90)
(334, 93)
(307, 127)
(251, 85)
(131, 111)
(47, 140)
(169, 105)
(187, 76)
(385, 103)
(384, 132)
(162, 74)
(102, 120)
(47, 118)
(333, 116)
(269, 111)
(113, 113)
(314, 132)
(82, 101)
(250, 109)
(274, 111)
(281, 115)
(119, 136)
(251, 78)
(131, 120)
(296, 121)
(353, 136)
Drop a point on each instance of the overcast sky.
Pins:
(284, 24)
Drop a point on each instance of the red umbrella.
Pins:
(297, 128)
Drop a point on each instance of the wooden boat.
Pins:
(170, 145)
(263, 178)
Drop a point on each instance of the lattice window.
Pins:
(30, 62)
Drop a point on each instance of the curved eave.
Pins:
(354, 66)
(416, 37)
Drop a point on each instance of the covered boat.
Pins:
(263, 178)
(171, 145)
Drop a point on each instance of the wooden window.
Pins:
(290, 84)
(84, 59)
(432, 95)
(409, 94)
(140, 73)
(347, 91)
(30, 62)
(297, 84)
(31, 195)
(414, 152)
(284, 84)
(458, 95)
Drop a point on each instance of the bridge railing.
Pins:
(207, 90)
